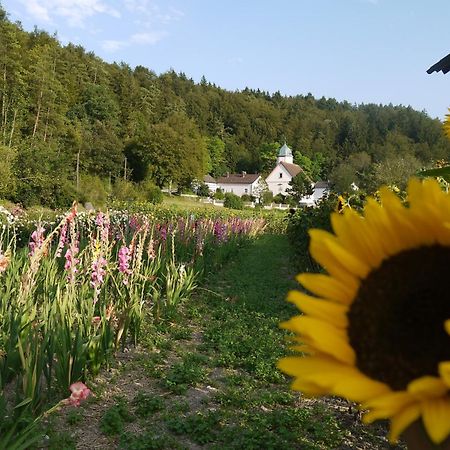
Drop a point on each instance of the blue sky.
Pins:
(362, 51)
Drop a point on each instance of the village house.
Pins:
(210, 182)
(239, 184)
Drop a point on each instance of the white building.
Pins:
(321, 188)
(239, 184)
(210, 182)
(278, 180)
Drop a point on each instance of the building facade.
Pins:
(278, 180)
(239, 184)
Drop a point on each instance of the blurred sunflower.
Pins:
(377, 330)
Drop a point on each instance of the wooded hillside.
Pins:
(63, 105)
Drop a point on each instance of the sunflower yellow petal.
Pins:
(327, 244)
(308, 388)
(333, 313)
(426, 387)
(444, 372)
(342, 265)
(403, 420)
(354, 234)
(436, 418)
(447, 326)
(386, 405)
(329, 287)
(381, 223)
(324, 337)
(359, 388)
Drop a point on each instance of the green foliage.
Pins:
(147, 404)
(125, 191)
(203, 190)
(200, 427)
(94, 190)
(232, 201)
(304, 219)
(300, 186)
(114, 418)
(219, 194)
(216, 156)
(186, 373)
(150, 192)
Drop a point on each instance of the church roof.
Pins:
(285, 151)
(293, 169)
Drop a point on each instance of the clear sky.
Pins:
(363, 51)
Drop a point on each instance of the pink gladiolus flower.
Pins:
(37, 239)
(98, 272)
(124, 262)
(79, 391)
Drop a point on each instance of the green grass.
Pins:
(211, 372)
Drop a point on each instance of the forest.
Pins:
(73, 125)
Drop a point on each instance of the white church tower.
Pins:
(285, 155)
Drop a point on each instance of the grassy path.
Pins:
(206, 378)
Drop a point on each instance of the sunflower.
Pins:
(377, 328)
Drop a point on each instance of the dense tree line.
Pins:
(67, 118)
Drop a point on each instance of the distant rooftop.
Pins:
(208, 179)
(238, 178)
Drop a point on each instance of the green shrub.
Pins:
(266, 197)
(246, 198)
(280, 198)
(150, 192)
(219, 195)
(232, 201)
(203, 190)
(93, 189)
(125, 191)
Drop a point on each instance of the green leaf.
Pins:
(443, 172)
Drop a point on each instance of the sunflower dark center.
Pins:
(397, 319)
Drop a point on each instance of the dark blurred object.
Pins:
(443, 64)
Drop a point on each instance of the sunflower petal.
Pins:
(333, 258)
(387, 405)
(359, 388)
(426, 387)
(329, 287)
(324, 337)
(403, 420)
(444, 372)
(332, 313)
(436, 418)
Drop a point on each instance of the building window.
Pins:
(281, 174)
(246, 190)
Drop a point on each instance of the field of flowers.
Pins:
(75, 289)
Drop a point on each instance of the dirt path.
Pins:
(206, 377)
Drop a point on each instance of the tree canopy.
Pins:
(65, 114)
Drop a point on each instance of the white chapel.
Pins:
(278, 180)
